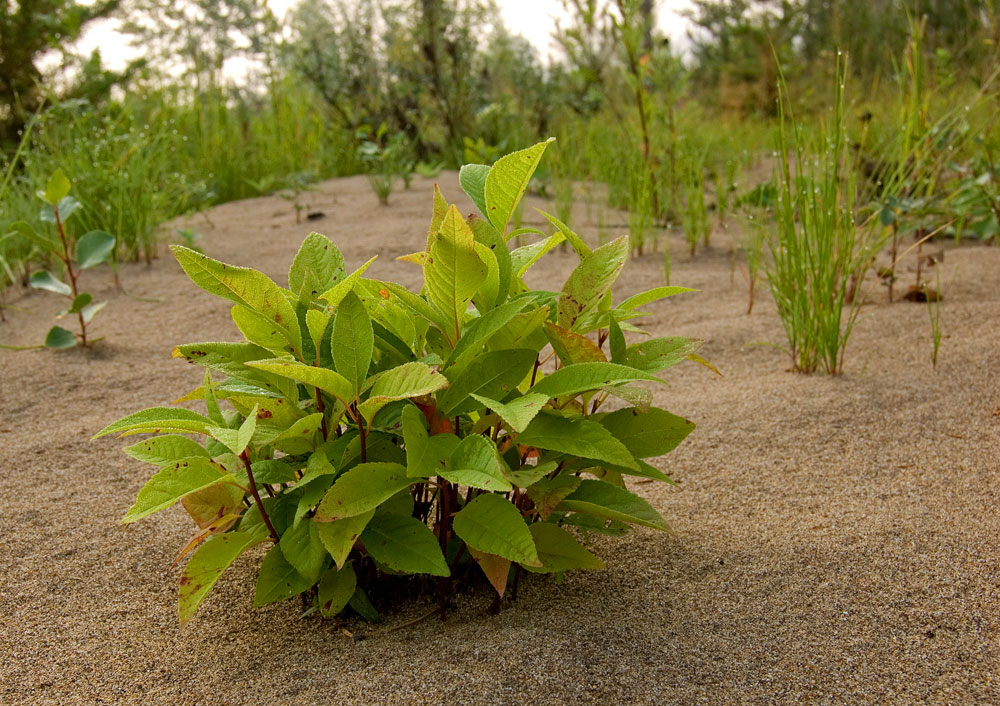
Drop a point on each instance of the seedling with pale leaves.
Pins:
(364, 431)
(87, 251)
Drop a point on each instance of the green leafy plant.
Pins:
(386, 159)
(76, 255)
(374, 433)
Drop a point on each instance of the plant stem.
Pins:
(321, 410)
(69, 271)
(256, 497)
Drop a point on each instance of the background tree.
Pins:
(29, 29)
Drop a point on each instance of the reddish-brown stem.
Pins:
(321, 410)
(256, 497)
(534, 371)
(363, 436)
(69, 271)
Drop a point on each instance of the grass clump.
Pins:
(817, 248)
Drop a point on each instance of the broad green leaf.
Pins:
(453, 272)
(486, 297)
(90, 311)
(475, 463)
(58, 338)
(272, 413)
(24, 229)
(318, 266)
(527, 476)
(327, 380)
(438, 212)
(608, 501)
(353, 341)
(522, 331)
(488, 236)
(576, 436)
(340, 537)
(94, 248)
(335, 294)
(157, 420)
(581, 248)
(522, 258)
(472, 179)
(493, 525)
(362, 605)
(163, 450)
(67, 207)
(278, 580)
(651, 295)
(418, 305)
(227, 358)
(57, 188)
(494, 374)
(361, 489)
(506, 182)
(519, 412)
(300, 437)
(404, 544)
(173, 483)
(80, 303)
(638, 397)
(400, 383)
(479, 331)
(236, 440)
(547, 494)
(335, 590)
(206, 566)
(259, 329)
(303, 549)
(46, 280)
(658, 354)
(272, 471)
(316, 322)
(208, 506)
(558, 550)
(243, 286)
(648, 434)
(591, 280)
(582, 377)
(572, 347)
(426, 455)
(616, 342)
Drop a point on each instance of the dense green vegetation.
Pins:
(378, 433)
(228, 102)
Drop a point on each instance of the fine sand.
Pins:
(834, 540)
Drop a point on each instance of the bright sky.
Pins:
(534, 19)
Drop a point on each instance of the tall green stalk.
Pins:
(817, 248)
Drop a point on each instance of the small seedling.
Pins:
(386, 159)
(91, 249)
(189, 238)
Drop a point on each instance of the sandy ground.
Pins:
(834, 539)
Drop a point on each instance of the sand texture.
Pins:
(834, 540)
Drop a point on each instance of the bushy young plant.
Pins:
(386, 159)
(75, 254)
(374, 432)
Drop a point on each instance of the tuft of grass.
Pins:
(817, 249)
